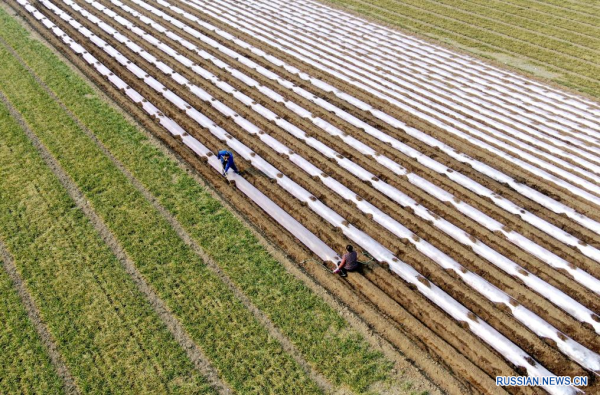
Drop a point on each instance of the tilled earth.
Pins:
(401, 314)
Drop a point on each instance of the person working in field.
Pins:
(226, 158)
(349, 262)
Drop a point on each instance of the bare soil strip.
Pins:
(193, 352)
(70, 386)
(106, 37)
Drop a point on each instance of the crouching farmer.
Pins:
(349, 262)
(226, 158)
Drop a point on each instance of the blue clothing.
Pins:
(229, 164)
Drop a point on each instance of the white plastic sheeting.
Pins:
(383, 89)
(500, 122)
(414, 59)
(501, 80)
(478, 216)
(540, 198)
(483, 330)
(556, 296)
(571, 348)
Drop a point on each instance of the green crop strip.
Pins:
(25, 366)
(468, 26)
(322, 336)
(536, 31)
(577, 9)
(239, 347)
(524, 13)
(109, 336)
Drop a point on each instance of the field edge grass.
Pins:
(172, 205)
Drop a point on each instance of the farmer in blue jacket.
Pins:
(226, 158)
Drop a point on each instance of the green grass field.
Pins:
(24, 364)
(102, 324)
(554, 40)
(107, 334)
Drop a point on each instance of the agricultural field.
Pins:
(471, 193)
(558, 41)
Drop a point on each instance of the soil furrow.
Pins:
(450, 247)
(338, 207)
(380, 103)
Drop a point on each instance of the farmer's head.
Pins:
(226, 156)
(349, 248)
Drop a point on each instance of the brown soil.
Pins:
(398, 313)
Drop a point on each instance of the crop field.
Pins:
(472, 192)
(555, 40)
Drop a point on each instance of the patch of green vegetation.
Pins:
(322, 336)
(236, 343)
(486, 29)
(576, 10)
(557, 23)
(25, 367)
(110, 338)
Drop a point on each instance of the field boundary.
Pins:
(483, 42)
(514, 26)
(69, 384)
(287, 345)
(479, 55)
(173, 325)
(371, 326)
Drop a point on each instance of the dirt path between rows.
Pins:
(410, 360)
(171, 322)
